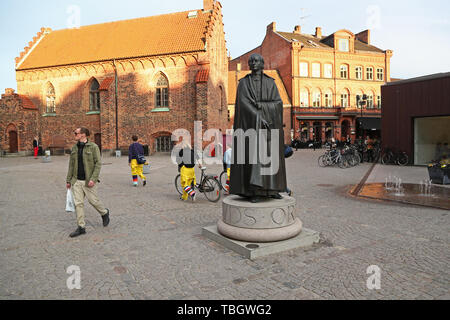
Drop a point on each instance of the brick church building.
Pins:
(146, 76)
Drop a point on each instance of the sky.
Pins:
(417, 31)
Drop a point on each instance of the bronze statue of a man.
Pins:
(259, 109)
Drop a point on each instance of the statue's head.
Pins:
(256, 62)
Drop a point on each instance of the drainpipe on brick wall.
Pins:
(117, 110)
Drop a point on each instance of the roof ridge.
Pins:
(131, 19)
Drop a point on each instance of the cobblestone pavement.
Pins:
(153, 247)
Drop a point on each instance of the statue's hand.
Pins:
(257, 105)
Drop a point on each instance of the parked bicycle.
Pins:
(345, 157)
(209, 185)
(223, 181)
(391, 157)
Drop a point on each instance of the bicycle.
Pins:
(209, 185)
(398, 158)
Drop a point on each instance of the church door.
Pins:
(13, 143)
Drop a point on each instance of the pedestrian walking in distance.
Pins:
(82, 176)
(35, 147)
(135, 151)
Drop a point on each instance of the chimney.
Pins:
(208, 5)
(318, 32)
(9, 92)
(272, 27)
(364, 36)
(298, 29)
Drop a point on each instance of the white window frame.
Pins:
(369, 103)
(369, 73)
(303, 70)
(316, 99)
(380, 71)
(315, 66)
(344, 100)
(328, 99)
(344, 45)
(344, 70)
(304, 98)
(359, 73)
(328, 70)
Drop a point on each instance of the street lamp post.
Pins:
(361, 101)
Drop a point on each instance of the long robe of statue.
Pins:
(258, 104)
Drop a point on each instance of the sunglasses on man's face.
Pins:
(77, 133)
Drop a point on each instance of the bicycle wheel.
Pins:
(402, 159)
(322, 161)
(223, 180)
(386, 158)
(352, 160)
(358, 158)
(211, 189)
(342, 162)
(178, 184)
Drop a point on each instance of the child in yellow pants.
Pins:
(135, 151)
(187, 182)
(137, 170)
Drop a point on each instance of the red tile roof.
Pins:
(106, 83)
(157, 35)
(27, 103)
(202, 76)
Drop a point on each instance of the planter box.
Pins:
(439, 175)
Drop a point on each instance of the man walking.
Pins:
(82, 177)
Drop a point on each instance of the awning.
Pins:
(370, 123)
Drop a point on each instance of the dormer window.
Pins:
(343, 45)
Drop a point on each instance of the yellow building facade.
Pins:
(334, 82)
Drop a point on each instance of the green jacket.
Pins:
(91, 160)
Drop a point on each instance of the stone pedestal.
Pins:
(258, 229)
(267, 221)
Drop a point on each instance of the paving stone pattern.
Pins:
(153, 247)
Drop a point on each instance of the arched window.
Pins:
(304, 97)
(344, 71)
(94, 96)
(316, 98)
(328, 98)
(370, 100)
(50, 99)
(358, 98)
(162, 92)
(344, 99)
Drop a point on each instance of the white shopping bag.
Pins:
(70, 205)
